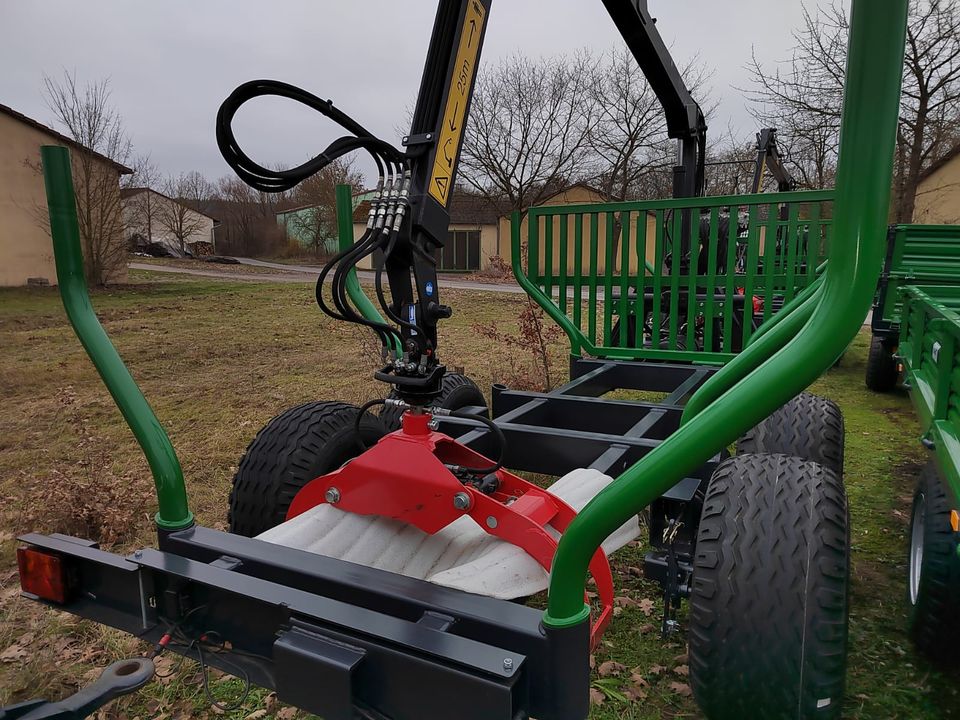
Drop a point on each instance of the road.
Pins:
(308, 274)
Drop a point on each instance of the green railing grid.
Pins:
(588, 305)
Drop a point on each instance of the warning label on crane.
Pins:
(454, 115)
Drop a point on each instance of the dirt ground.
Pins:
(218, 360)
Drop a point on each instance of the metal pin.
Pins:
(332, 495)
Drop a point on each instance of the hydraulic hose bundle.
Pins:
(388, 209)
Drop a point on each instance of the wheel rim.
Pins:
(916, 546)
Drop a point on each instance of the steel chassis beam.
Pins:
(607, 434)
(331, 636)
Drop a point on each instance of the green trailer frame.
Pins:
(930, 352)
(922, 256)
(799, 343)
(782, 358)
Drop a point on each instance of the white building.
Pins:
(151, 217)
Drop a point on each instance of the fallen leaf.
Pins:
(611, 667)
(17, 651)
(682, 670)
(596, 697)
(617, 611)
(646, 606)
(637, 679)
(655, 669)
(593, 661)
(13, 654)
(634, 693)
(256, 715)
(682, 659)
(287, 713)
(632, 570)
(644, 629)
(270, 702)
(623, 601)
(681, 689)
(165, 668)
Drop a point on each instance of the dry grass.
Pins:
(218, 360)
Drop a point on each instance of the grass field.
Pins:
(218, 360)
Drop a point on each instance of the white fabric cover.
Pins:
(461, 556)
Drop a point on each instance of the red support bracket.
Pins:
(406, 477)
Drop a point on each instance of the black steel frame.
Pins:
(340, 639)
(576, 426)
(334, 638)
(887, 331)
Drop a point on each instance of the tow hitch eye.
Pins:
(121, 678)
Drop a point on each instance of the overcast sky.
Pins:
(171, 62)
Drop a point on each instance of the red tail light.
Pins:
(42, 574)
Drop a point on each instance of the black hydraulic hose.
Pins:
(268, 180)
(383, 330)
(356, 423)
(497, 432)
(391, 166)
(342, 274)
(378, 285)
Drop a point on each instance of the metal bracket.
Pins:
(418, 139)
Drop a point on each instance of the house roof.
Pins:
(465, 209)
(121, 169)
(126, 193)
(950, 155)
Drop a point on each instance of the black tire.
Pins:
(456, 391)
(933, 586)
(882, 374)
(808, 427)
(295, 447)
(768, 608)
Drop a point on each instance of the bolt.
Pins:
(332, 495)
(138, 554)
(491, 522)
(429, 136)
(461, 501)
(508, 664)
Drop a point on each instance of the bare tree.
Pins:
(141, 209)
(176, 216)
(196, 190)
(247, 217)
(529, 128)
(87, 116)
(803, 96)
(730, 165)
(316, 222)
(628, 140)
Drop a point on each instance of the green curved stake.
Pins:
(870, 111)
(167, 475)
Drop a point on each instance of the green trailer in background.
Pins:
(922, 256)
(930, 352)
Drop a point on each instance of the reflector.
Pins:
(955, 520)
(42, 574)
